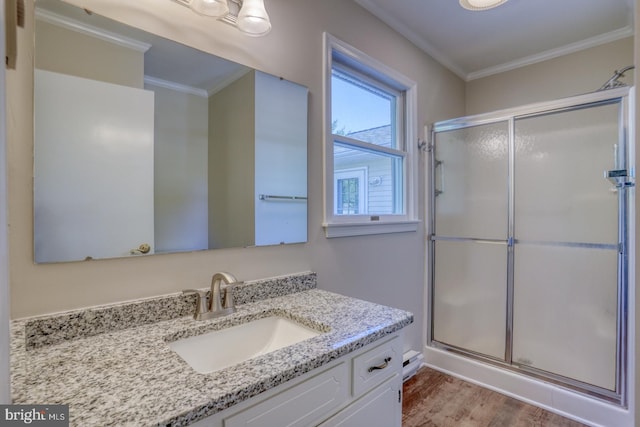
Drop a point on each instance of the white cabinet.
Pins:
(375, 365)
(363, 388)
(381, 407)
(300, 405)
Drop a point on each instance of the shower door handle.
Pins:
(619, 177)
(438, 164)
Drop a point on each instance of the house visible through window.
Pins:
(369, 156)
(350, 197)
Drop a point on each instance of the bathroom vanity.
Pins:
(341, 393)
(113, 365)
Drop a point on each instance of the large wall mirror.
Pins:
(144, 145)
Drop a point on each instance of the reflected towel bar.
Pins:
(269, 197)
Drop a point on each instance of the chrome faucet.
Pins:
(216, 302)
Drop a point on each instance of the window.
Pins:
(370, 175)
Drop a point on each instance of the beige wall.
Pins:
(181, 125)
(69, 52)
(573, 74)
(387, 269)
(231, 164)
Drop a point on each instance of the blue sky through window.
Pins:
(356, 107)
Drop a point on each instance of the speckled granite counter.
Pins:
(114, 374)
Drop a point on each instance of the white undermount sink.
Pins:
(220, 349)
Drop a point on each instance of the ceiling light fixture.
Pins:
(249, 16)
(477, 5)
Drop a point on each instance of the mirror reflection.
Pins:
(144, 146)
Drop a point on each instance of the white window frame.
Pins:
(355, 225)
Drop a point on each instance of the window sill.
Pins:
(365, 228)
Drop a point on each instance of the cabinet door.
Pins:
(381, 407)
(300, 405)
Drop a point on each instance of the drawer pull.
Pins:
(382, 366)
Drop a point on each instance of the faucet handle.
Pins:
(202, 301)
(228, 302)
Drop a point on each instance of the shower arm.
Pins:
(613, 81)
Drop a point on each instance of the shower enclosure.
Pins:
(529, 241)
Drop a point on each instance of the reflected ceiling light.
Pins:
(481, 4)
(214, 8)
(249, 16)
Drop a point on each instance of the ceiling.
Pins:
(518, 33)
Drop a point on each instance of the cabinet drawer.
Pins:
(300, 405)
(376, 365)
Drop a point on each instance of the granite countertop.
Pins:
(128, 375)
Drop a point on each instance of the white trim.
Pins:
(205, 93)
(340, 226)
(553, 53)
(368, 146)
(362, 229)
(176, 86)
(89, 30)
(228, 80)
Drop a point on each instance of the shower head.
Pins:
(613, 81)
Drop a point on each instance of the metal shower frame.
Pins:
(625, 160)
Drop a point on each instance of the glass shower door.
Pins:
(567, 243)
(529, 237)
(470, 238)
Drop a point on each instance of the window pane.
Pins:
(362, 111)
(366, 182)
(348, 196)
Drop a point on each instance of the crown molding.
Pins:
(420, 42)
(553, 53)
(176, 86)
(89, 30)
(467, 75)
(228, 80)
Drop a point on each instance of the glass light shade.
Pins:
(481, 4)
(215, 8)
(253, 18)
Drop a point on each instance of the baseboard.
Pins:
(561, 401)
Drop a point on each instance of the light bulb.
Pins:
(253, 18)
(215, 8)
(481, 4)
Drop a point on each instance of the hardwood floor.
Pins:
(434, 399)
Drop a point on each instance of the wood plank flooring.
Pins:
(434, 399)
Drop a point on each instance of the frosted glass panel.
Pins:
(560, 191)
(472, 175)
(565, 312)
(470, 296)
(561, 274)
